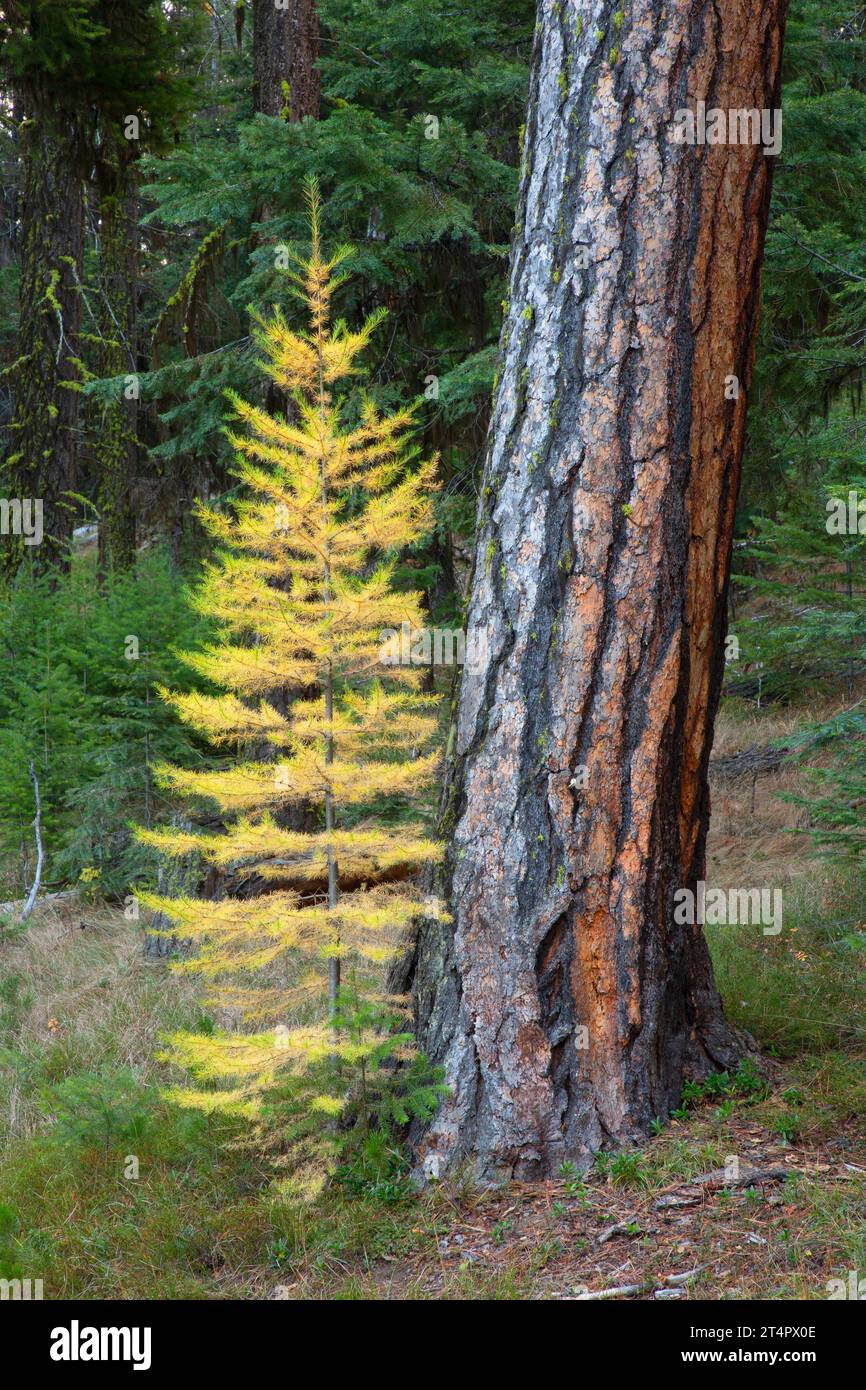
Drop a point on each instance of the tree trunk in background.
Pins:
(579, 801)
(285, 54)
(285, 82)
(9, 181)
(42, 463)
(117, 443)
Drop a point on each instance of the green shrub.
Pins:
(78, 703)
(91, 1110)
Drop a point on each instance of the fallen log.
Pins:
(749, 762)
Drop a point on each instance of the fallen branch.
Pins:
(750, 762)
(37, 826)
(621, 1228)
(675, 1282)
(747, 1177)
(624, 1291)
(686, 1277)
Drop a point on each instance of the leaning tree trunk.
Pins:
(42, 464)
(565, 1003)
(285, 57)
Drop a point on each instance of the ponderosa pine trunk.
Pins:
(564, 1002)
(285, 58)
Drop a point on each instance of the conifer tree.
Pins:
(79, 71)
(565, 1009)
(417, 148)
(806, 633)
(303, 585)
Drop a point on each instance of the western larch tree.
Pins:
(564, 1002)
(304, 586)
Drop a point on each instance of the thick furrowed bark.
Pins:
(580, 802)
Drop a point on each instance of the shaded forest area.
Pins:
(263, 367)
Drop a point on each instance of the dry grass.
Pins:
(77, 997)
(755, 834)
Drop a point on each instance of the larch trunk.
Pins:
(564, 1001)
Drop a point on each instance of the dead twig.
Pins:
(37, 826)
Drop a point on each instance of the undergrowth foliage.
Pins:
(301, 589)
(76, 703)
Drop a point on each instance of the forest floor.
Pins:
(755, 1189)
